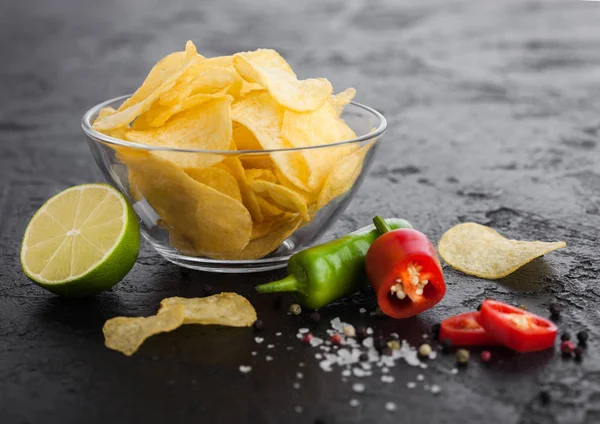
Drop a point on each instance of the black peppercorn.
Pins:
(207, 290)
(258, 324)
(435, 330)
(277, 302)
(361, 333)
(380, 344)
(479, 307)
(446, 345)
(566, 336)
(393, 337)
(314, 317)
(544, 397)
(579, 351)
(555, 310)
(582, 336)
(363, 357)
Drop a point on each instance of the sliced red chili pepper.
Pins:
(405, 271)
(515, 328)
(465, 330)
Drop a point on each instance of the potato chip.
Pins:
(317, 128)
(106, 111)
(126, 334)
(218, 179)
(268, 209)
(260, 114)
(249, 198)
(261, 229)
(480, 251)
(214, 221)
(282, 196)
(262, 246)
(228, 309)
(286, 89)
(244, 139)
(260, 174)
(206, 127)
(343, 176)
(341, 99)
(143, 102)
(182, 244)
(267, 58)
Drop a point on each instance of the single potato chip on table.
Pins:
(228, 309)
(483, 252)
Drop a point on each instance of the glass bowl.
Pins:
(201, 228)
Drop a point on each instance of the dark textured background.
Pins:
(494, 117)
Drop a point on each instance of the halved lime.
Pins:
(82, 241)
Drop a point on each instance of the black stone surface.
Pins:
(494, 111)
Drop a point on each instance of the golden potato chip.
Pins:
(480, 251)
(282, 196)
(214, 221)
(127, 114)
(106, 111)
(286, 89)
(262, 246)
(126, 334)
(260, 114)
(218, 179)
(268, 209)
(206, 127)
(260, 174)
(343, 176)
(182, 243)
(244, 139)
(249, 197)
(229, 309)
(341, 99)
(317, 128)
(267, 58)
(261, 229)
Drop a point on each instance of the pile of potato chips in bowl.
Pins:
(232, 163)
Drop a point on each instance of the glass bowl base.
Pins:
(276, 260)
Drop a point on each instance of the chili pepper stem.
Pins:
(287, 284)
(381, 225)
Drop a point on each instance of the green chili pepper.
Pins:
(321, 274)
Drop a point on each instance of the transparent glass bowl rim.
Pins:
(87, 128)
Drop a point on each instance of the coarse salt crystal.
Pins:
(315, 341)
(299, 375)
(354, 403)
(454, 370)
(245, 369)
(289, 348)
(325, 366)
(268, 358)
(358, 387)
(359, 372)
(278, 334)
(420, 377)
(270, 346)
(362, 310)
(411, 384)
(318, 356)
(435, 389)
(254, 353)
(259, 340)
(369, 330)
(385, 370)
(303, 330)
(365, 365)
(423, 366)
(298, 409)
(387, 378)
(300, 364)
(390, 406)
(296, 385)
(425, 336)
(433, 354)
(346, 373)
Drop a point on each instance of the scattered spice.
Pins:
(358, 387)
(435, 389)
(245, 369)
(567, 347)
(363, 357)
(307, 338)
(446, 345)
(435, 330)
(295, 309)
(314, 317)
(207, 290)
(336, 339)
(566, 336)
(379, 344)
(349, 331)
(462, 357)
(485, 356)
(390, 406)
(411, 384)
(582, 337)
(424, 350)
(258, 325)
(545, 397)
(579, 351)
(361, 333)
(354, 403)
(393, 337)
(394, 344)
(555, 310)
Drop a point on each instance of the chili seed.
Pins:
(424, 350)
(295, 309)
(485, 356)
(462, 356)
(258, 324)
(393, 344)
(207, 290)
(545, 397)
(555, 310)
(579, 351)
(582, 336)
(349, 331)
(566, 336)
(363, 357)
(307, 338)
(435, 330)
(446, 345)
(314, 317)
(336, 339)
(567, 347)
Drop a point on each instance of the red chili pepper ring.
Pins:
(405, 271)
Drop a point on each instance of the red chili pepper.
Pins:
(465, 330)
(515, 328)
(405, 271)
